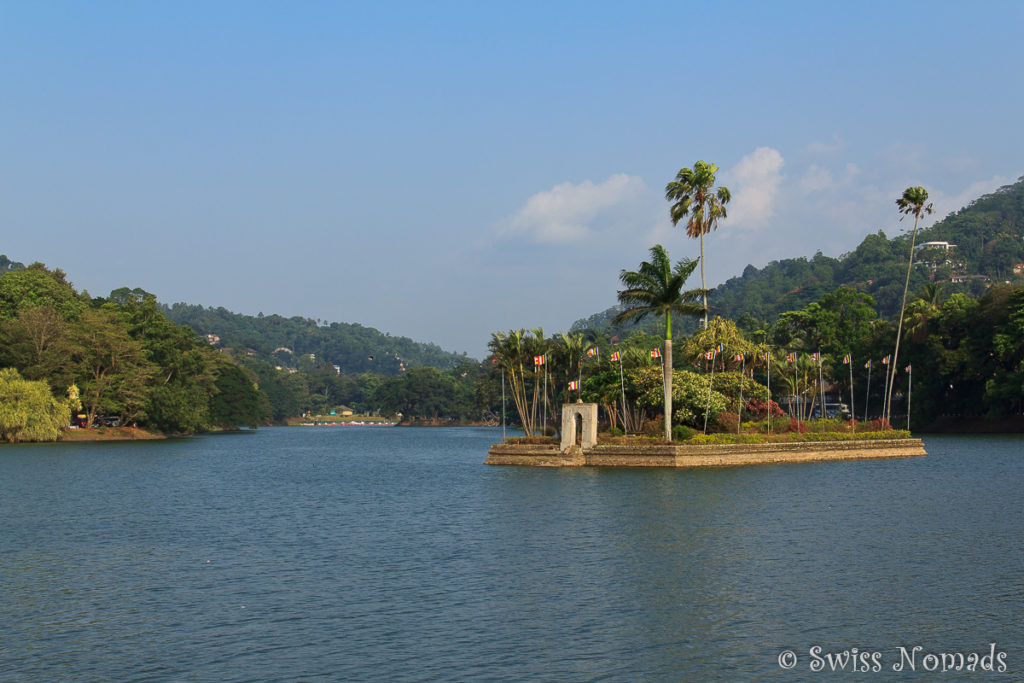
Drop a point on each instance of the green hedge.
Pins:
(795, 437)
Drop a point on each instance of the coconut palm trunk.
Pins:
(912, 202)
(703, 285)
(656, 289)
(668, 379)
(695, 198)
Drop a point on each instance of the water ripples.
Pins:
(369, 554)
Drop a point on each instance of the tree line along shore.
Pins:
(891, 333)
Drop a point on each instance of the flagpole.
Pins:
(853, 415)
(743, 369)
(885, 391)
(909, 385)
(821, 389)
(768, 357)
(545, 423)
(710, 382)
(622, 383)
(887, 395)
(503, 405)
(867, 394)
(796, 388)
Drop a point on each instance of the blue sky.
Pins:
(443, 170)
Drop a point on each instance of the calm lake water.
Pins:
(396, 554)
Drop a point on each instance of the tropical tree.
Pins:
(696, 199)
(28, 410)
(657, 288)
(719, 333)
(516, 354)
(911, 203)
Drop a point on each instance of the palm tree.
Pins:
(657, 288)
(932, 294)
(514, 352)
(912, 202)
(695, 196)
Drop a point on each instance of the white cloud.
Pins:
(754, 183)
(837, 144)
(571, 212)
(815, 179)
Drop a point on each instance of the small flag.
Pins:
(710, 355)
(718, 349)
(538, 360)
(885, 361)
(846, 359)
(656, 353)
(907, 369)
(815, 356)
(591, 352)
(766, 356)
(790, 357)
(868, 364)
(574, 386)
(615, 356)
(739, 357)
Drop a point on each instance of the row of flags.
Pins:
(574, 385)
(539, 361)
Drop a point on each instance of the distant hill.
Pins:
(989, 239)
(7, 265)
(289, 342)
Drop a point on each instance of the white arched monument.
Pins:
(586, 413)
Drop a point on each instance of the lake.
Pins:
(362, 553)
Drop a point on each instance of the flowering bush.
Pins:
(761, 409)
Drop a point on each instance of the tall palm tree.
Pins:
(693, 193)
(657, 288)
(911, 203)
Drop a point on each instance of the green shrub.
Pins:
(533, 440)
(797, 437)
(682, 433)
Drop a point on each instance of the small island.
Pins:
(580, 447)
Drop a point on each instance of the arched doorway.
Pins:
(584, 416)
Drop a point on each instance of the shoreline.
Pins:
(108, 434)
(709, 455)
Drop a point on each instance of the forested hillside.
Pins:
(989, 239)
(109, 360)
(303, 343)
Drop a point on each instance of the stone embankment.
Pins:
(723, 455)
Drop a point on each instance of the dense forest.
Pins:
(183, 369)
(988, 237)
(110, 360)
(123, 359)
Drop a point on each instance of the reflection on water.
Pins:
(369, 554)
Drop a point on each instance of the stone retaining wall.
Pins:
(719, 455)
